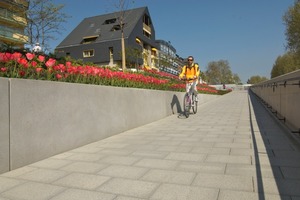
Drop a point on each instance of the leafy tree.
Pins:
(45, 20)
(133, 56)
(236, 79)
(256, 79)
(213, 73)
(285, 64)
(219, 72)
(292, 21)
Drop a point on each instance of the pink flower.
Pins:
(21, 73)
(16, 55)
(38, 69)
(4, 57)
(41, 58)
(3, 69)
(58, 76)
(68, 64)
(33, 64)
(30, 56)
(23, 62)
(50, 63)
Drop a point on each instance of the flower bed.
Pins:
(40, 67)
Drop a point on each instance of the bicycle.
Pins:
(189, 100)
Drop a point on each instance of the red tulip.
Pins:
(23, 62)
(50, 63)
(16, 55)
(21, 73)
(58, 76)
(38, 69)
(30, 56)
(3, 69)
(33, 64)
(41, 58)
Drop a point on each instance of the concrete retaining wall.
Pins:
(4, 125)
(40, 119)
(282, 94)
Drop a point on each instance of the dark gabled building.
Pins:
(98, 39)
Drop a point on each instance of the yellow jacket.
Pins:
(190, 72)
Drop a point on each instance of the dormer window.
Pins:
(110, 21)
(116, 28)
(89, 39)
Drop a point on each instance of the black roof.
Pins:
(101, 26)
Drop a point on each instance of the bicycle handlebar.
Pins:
(188, 79)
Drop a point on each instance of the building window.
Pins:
(147, 34)
(88, 53)
(116, 27)
(110, 21)
(147, 20)
(89, 39)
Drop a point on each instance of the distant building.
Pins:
(98, 39)
(13, 22)
(168, 60)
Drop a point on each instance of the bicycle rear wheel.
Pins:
(186, 105)
(195, 104)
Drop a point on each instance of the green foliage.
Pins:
(257, 79)
(285, 64)
(219, 72)
(133, 57)
(292, 22)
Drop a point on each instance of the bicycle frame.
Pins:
(189, 100)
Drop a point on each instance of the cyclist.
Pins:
(190, 72)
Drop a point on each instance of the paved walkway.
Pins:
(229, 150)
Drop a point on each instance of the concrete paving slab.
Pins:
(8, 183)
(84, 167)
(82, 181)
(229, 150)
(167, 176)
(277, 186)
(43, 175)
(241, 183)
(33, 191)
(238, 195)
(183, 192)
(77, 194)
(123, 171)
(254, 171)
(127, 187)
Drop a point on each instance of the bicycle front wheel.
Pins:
(195, 104)
(186, 105)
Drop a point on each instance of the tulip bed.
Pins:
(40, 67)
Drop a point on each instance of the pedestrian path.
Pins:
(232, 149)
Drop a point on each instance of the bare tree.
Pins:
(44, 22)
(121, 6)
